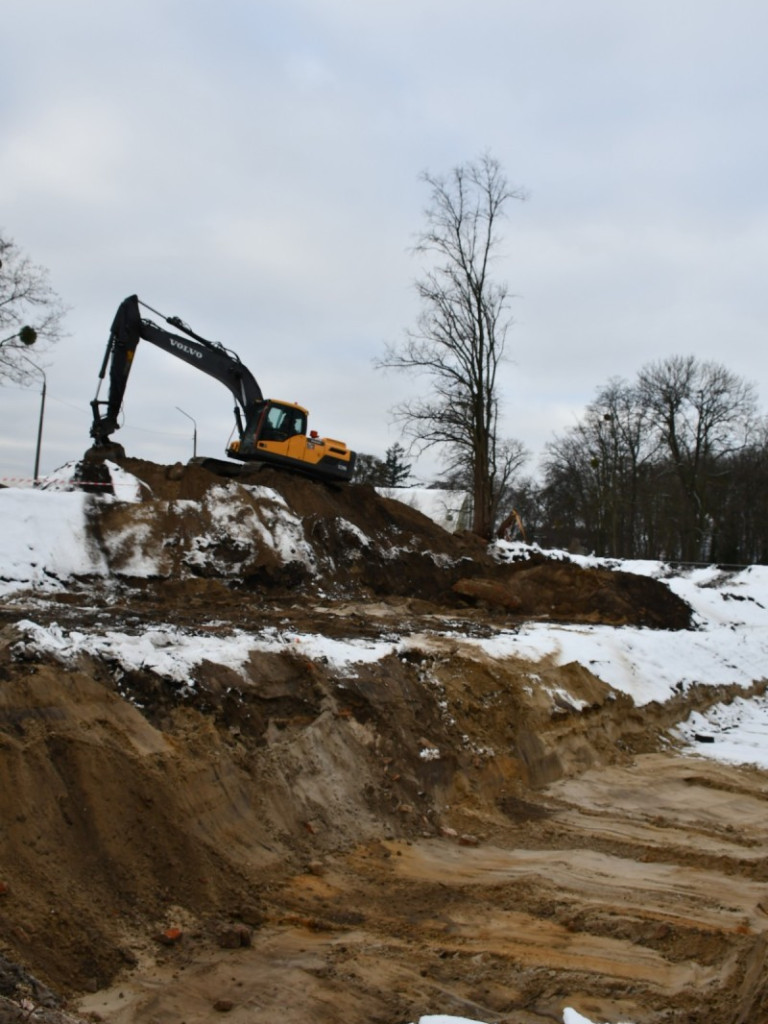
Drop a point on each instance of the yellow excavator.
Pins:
(268, 430)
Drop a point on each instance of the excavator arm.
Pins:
(128, 328)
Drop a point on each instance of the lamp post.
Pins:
(28, 336)
(40, 425)
(194, 432)
(43, 391)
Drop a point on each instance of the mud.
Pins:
(436, 831)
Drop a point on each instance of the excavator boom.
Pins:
(128, 328)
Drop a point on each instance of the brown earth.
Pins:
(437, 831)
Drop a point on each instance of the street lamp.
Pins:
(194, 432)
(27, 336)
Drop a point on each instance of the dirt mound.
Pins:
(278, 532)
(559, 590)
(273, 530)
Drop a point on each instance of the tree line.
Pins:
(672, 465)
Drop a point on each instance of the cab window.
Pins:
(283, 422)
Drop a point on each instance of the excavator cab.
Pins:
(277, 433)
(283, 421)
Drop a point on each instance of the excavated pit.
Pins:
(431, 831)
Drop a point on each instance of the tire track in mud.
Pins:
(641, 925)
(648, 928)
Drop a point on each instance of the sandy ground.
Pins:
(281, 848)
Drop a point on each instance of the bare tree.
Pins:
(703, 413)
(27, 300)
(509, 456)
(462, 330)
(618, 446)
(648, 470)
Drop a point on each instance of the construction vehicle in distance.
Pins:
(268, 431)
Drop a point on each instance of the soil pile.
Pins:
(293, 837)
(283, 533)
(541, 587)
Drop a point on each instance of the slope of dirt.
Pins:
(433, 830)
(550, 589)
(276, 532)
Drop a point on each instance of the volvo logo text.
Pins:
(187, 348)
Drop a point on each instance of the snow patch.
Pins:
(44, 540)
(736, 733)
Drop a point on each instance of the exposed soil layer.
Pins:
(435, 831)
(350, 541)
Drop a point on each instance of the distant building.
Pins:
(449, 509)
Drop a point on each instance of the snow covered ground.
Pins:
(43, 542)
(570, 1016)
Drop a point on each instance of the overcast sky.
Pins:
(253, 166)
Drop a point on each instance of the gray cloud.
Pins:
(254, 168)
